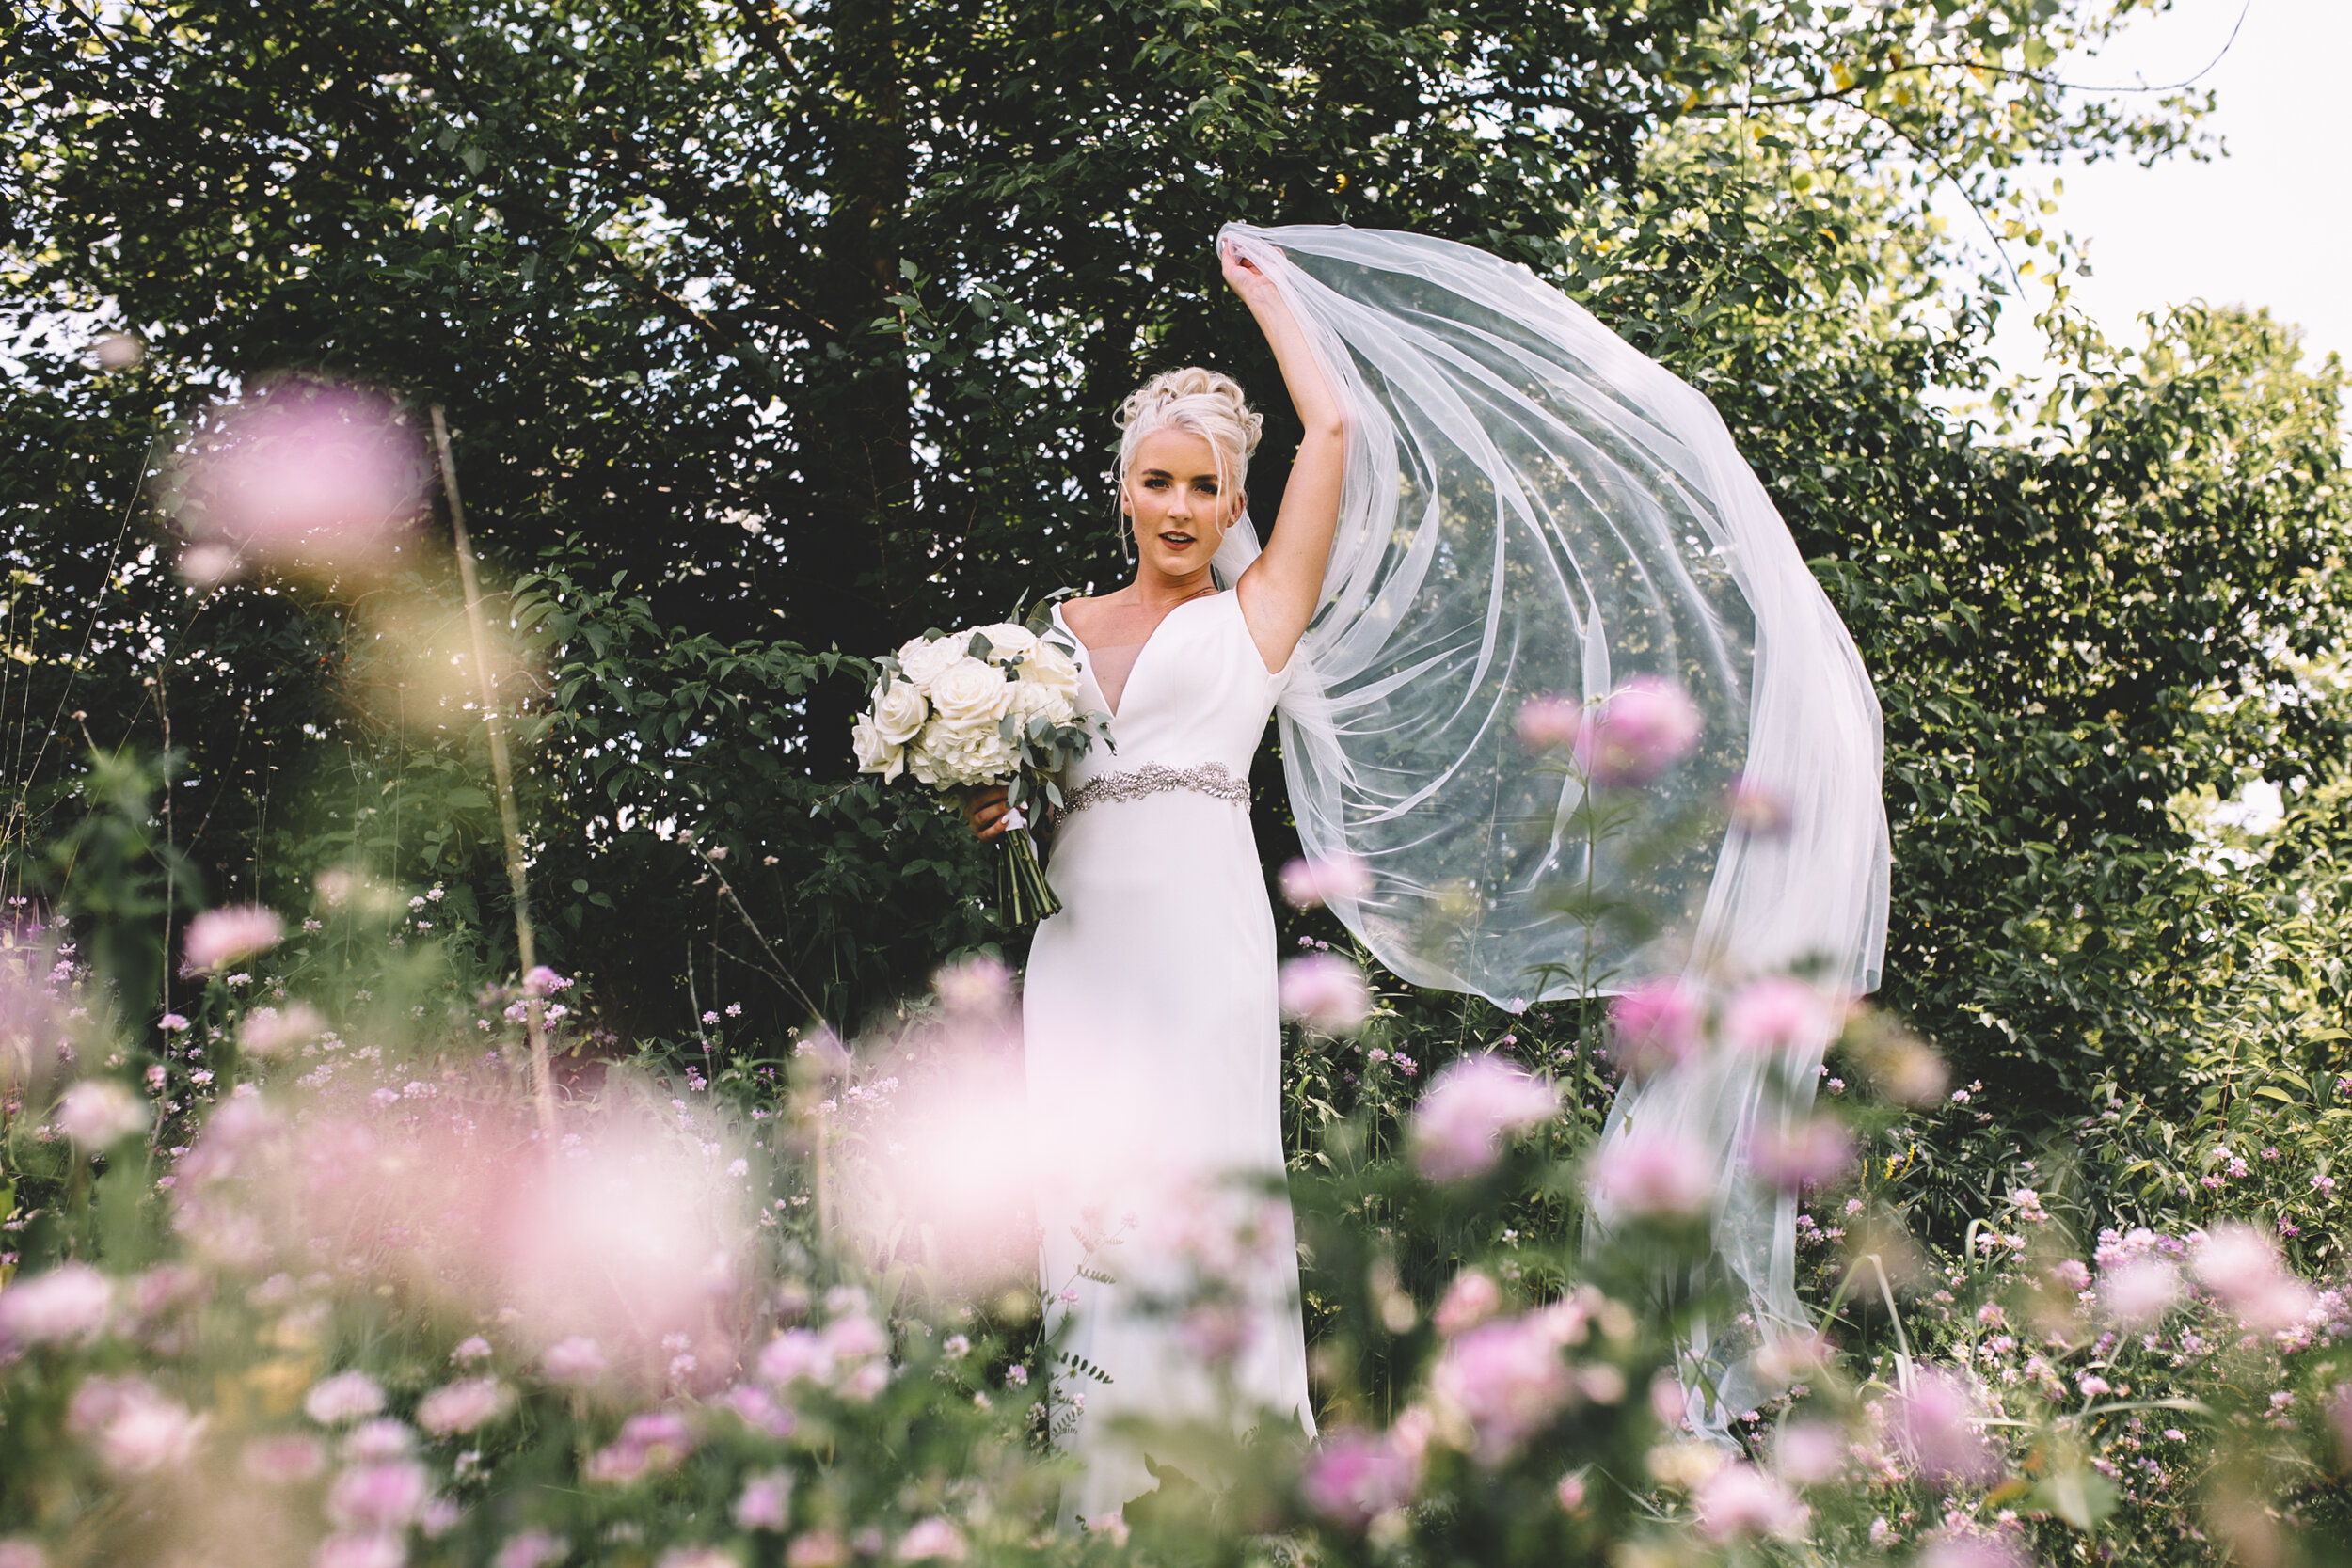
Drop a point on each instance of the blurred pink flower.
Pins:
(2140, 1290)
(1325, 992)
(765, 1502)
(1354, 1477)
(381, 1496)
(1551, 723)
(1778, 1014)
(2243, 1269)
(1809, 1454)
(1653, 1026)
(1645, 727)
(345, 1397)
(652, 1442)
(463, 1405)
(1935, 1426)
(171, 1023)
(543, 981)
(699, 1556)
(69, 1302)
(1569, 1492)
(366, 1549)
(382, 1438)
(1215, 1333)
(532, 1548)
(218, 938)
(575, 1360)
(469, 1349)
(1309, 884)
(932, 1539)
(285, 1458)
(1507, 1379)
(17, 1551)
(817, 1548)
(796, 1356)
(99, 1113)
(977, 985)
(1807, 1155)
(1966, 1547)
(1459, 1127)
(267, 1035)
(301, 476)
(1470, 1300)
(135, 1429)
(1740, 1501)
(1657, 1175)
(1756, 811)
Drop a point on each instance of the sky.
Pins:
(2270, 224)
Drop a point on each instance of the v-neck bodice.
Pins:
(1197, 691)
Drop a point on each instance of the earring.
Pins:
(1127, 537)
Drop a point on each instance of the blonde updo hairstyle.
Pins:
(1201, 403)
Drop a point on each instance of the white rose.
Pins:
(921, 661)
(1053, 669)
(971, 693)
(874, 753)
(1032, 701)
(949, 754)
(900, 711)
(1005, 642)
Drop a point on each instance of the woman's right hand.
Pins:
(985, 809)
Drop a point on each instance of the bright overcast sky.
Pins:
(2270, 225)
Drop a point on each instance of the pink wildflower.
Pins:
(69, 1302)
(1645, 727)
(1551, 723)
(2241, 1266)
(1507, 1379)
(380, 1497)
(932, 1539)
(1353, 1477)
(1934, 1424)
(1656, 1174)
(1809, 1454)
(765, 1502)
(2138, 1292)
(1653, 1027)
(1459, 1126)
(576, 1360)
(1470, 1300)
(1805, 1155)
(1740, 1501)
(1309, 884)
(532, 1548)
(978, 986)
(463, 1405)
(99, 1113)
(1778, 1014)
(1325, 992)
(345, 1397)
(218, 938)
(301, 476)
(363, 1549)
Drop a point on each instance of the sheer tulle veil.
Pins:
(1530, 508)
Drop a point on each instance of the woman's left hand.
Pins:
(1256, 289)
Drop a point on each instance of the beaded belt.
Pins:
(1158, 778)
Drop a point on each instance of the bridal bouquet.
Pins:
(995, 704)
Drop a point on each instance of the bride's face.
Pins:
(1176, 502)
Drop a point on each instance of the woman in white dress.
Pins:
(1152, 1039)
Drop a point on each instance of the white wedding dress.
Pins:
(1154, 1052)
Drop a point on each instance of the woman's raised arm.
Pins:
(1280, 588)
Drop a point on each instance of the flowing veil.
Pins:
(1533, 508)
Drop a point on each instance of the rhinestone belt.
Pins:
(1158, 778)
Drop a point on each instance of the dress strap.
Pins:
(1158, 778)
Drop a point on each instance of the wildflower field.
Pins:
(484, 1080)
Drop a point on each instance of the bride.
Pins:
(1497, 502)
(1152, 1036)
